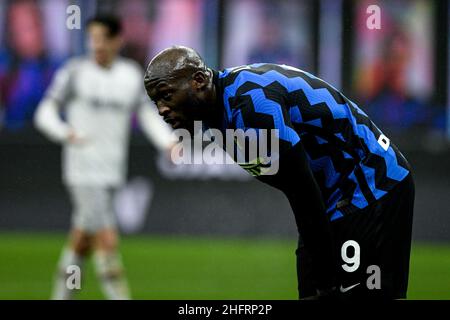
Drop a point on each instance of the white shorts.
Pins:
(93, 208)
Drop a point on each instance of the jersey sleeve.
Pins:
(61, 85)
(47, 116)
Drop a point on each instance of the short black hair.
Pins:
(111, 22)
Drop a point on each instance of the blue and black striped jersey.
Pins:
(353, 162)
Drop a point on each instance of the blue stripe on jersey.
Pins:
(371, 181)
(325, 164)
(394, 171)
(315, 122)
(269, 107)
(295, 115)
(340, 136)
(358, 199)
(336, 215)
(346, 155)
(320, 140)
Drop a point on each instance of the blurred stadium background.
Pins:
(210, 232)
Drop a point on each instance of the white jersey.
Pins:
(98, 105)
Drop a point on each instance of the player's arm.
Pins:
(294, 177)
(48, 121)
(47, 117)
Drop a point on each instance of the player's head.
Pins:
(104, 38)
(180, 84)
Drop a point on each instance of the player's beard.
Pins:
(198, 111)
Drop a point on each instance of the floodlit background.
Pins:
(210, 232)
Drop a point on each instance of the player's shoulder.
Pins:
(75, 62)
(258, 69)
(73, 65)
(234, 78)
(231, 73)
(251, 79)
(70, 67)
(257, 74)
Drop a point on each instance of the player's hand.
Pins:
(173, 153)
(75, 138)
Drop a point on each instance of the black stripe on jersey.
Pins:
(361, 178)
(270, 93)
(382, 181)
(247, 86)
(344, 146)
(231, 77)
(262, 121)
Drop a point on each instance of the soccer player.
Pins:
(99, 93)
(350, 188)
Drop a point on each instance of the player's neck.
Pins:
(216, 110)
(105, 64)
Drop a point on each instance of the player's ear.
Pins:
(200, 80)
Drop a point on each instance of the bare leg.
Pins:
(109, 265)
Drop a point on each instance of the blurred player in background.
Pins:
(347, 184)
(99, 94)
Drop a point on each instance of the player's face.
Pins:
(103, 47)
(178, 103)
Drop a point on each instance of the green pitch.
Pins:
(194, 268)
